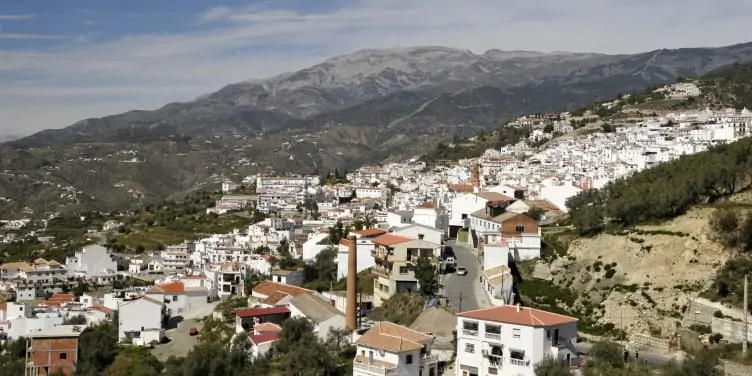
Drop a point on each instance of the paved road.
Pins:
(467, 286)
(655, 359)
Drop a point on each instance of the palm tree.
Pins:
(368, 221)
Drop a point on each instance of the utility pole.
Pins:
(621, 308)
(460, 307)
(746, 316)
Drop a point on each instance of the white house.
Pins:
(464, 204)
(141, 320)
(511, 340)
(391, 349)
(321, 313)
(316, 243)
(398, 218)
(177, 297)
(365, 249)
(92, 261)
(288, 277)
(418, 231)
(427, 214)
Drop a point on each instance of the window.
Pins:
(520, 228)
(548, 334)
(470, 325)
(493, 371)
(403, 270)
(431, 372)
(63, 356)
(516, 333)
(409, 359)
(174, 298)
(493, 329)
(464, 216)
(469, 348)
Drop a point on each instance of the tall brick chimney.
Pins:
(351, 311)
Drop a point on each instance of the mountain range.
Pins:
(347, 111)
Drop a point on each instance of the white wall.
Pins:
(137, 314)
(429, 235)
(365, 259)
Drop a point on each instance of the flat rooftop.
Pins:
(58, 331)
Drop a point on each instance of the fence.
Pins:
(650, 342)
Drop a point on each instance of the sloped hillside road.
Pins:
(464, 291)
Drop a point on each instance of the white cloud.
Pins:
(33, 36)
(84, 79)
(15, 17)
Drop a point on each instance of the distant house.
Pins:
(271, 294)
(321, 313)
(90, 262)
(288, 277)
(248, 318)
(54, 350)
(141, 320)
(177, 297)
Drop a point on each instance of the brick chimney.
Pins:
(351, 311)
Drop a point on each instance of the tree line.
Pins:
(664, 191)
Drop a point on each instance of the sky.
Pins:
(64, 61)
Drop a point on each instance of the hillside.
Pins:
(347, 111)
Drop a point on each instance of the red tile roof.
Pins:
(172, 288)
(390, 240)
(370, 232)
(428, 205)
(264, 337)
(266, 288)
(525, 317)
(256, 312)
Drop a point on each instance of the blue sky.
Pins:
(64, 61)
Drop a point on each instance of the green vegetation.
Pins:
(728, 285)
(171, 222)
(665, 191)
(505, 135)
(551, 297)
(728, 87)
(402, 308)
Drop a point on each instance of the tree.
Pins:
(425, 273)
(705, 363)
(134, 361)
(301, 352)
(338, 232)
(549, 128)
(322, 270)
(608, 352)
(75, 320)
(551, 367)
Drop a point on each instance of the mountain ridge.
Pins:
(356, 109)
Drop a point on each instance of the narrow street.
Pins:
(464, 292)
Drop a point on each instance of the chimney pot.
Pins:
(518, 307)
(420, 236)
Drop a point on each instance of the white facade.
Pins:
(92, 261)
(511, 340)
(365, 249)
(391, 349)
(140, 316)
(416, 231)
(316, 243)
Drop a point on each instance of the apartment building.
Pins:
(392, 256)
(174, 259)
(511, 340)
(280, 192)
(31, 280)
(388, 349)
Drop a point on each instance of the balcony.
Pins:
(429, 359)
(469, 332)
(495, 360)
(518, 362)
(381, 271)
(493, 336)
(376, 369)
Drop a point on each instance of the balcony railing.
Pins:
(469, 332)
(493, 336)
(429, 359)
(379, 370)
(496, 360)
(518, 362)
(381, 272)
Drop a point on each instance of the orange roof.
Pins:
(267, 288)
(462, 187)
(494, 196)
(267, 327)
(525, 316)
(171, 288)
(345, 242)
(390, 240)
(428, 205)
(370, 232)
(393, 338)
(275, 297)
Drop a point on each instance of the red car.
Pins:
(193, 331)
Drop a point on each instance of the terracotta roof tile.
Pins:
(267, 327)
(370, 232)
(428, 205)
(264, 337)
(256, 312)
(172, 288)
(266, 288)
(390, 240)
(525, 317)
(393, 338)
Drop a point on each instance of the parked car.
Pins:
(461, 271)
(193, 331)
